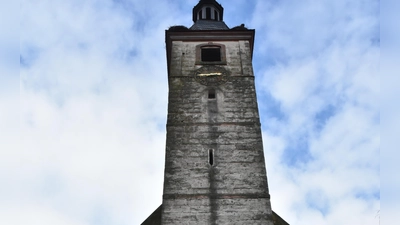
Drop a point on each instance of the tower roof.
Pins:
(209, 25)
(208, 15)
(202, 4)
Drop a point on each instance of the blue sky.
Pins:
(92, 102)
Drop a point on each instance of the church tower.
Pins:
(214, 163)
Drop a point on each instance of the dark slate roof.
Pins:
(208, 1)
(278, 220)
(209, 25)
(154, 218)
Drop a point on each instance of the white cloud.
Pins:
(323, 74)
(93, 105)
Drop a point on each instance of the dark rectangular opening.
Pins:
(208, 13)
(211, 94)
(211, 54)
(211, 157)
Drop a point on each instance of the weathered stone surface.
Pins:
(234, 189)
(155, 217)
(225, 211)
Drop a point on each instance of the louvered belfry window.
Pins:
(211, 54)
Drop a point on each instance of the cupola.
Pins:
(208, 10)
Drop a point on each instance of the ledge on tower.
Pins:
(155, 218)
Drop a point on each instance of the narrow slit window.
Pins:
(215, 15)
(211, 157)
(211, 94)
(211, 54)
(201, 14)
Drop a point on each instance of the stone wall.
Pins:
(234, 189)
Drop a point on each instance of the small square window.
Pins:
(211, 54)
(211, 94)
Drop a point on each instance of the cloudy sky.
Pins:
(92, 103)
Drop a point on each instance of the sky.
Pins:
(91, 107)
(390, 123)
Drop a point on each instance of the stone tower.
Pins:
(214, 166)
